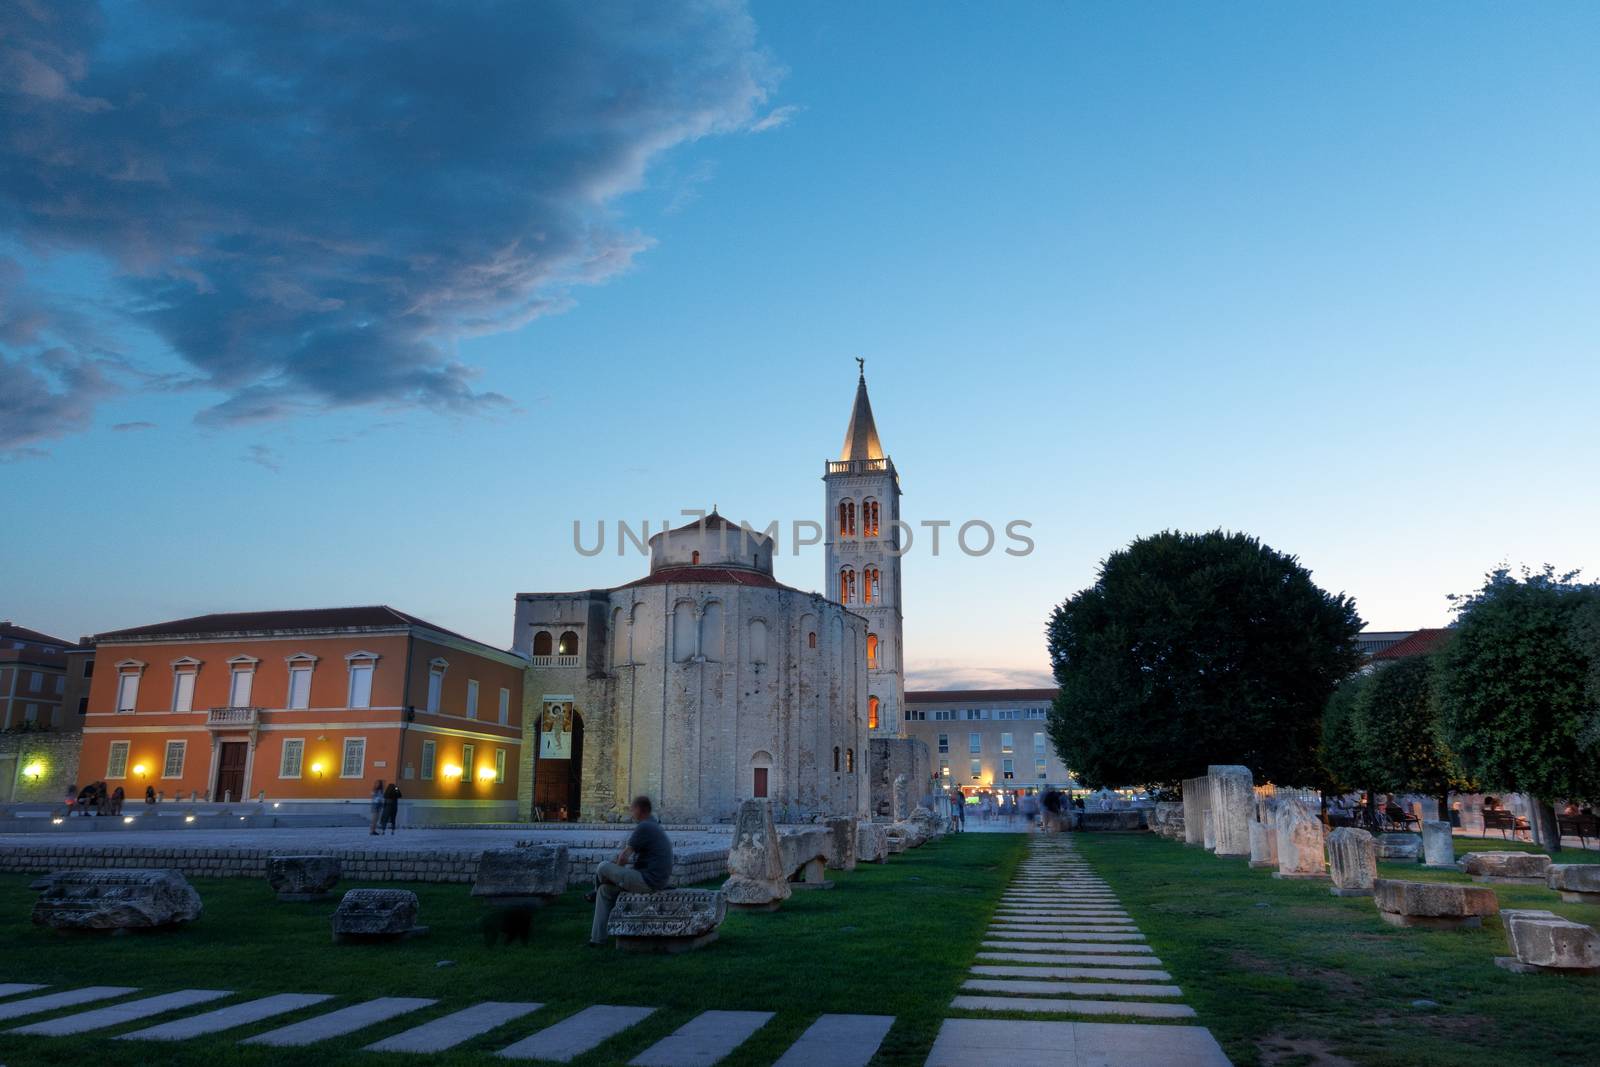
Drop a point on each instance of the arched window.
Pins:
(711, 631)
(850, 760)
(758, 641)
(872, 651)
(835, 759)
(694, 557)
(869, 585)
(872, 713)
(869, 518)
(683, 631)
(543, 643)
(568, 645)
(847, 585)
(847, 518)
(811, 639)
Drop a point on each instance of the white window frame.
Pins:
(245, 665)
(472, 698)
(113, 772)
(182, 748)
(428, 760)
(974, 743)
(344, 758)
(360, 661)
(180, 667)
(499, 766)
(977, 768)
(436, 668)
(469, 760)
(300, 661)
(128, 669)
(1008, 742)
(944, 744)
(505, 707)
(297, 745)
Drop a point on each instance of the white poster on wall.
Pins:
(555, 727)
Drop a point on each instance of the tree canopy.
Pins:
(1342, 756)
(1194, 649)
(1396, 725)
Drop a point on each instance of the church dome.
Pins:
(712, 542)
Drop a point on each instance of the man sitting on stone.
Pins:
(650, 853)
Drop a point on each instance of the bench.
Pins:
(1583, 827)
(1504, 821)
(672, 920)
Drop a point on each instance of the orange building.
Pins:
(308, 708)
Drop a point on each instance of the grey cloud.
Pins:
(266, 457)
(312, 204)
(128, 427)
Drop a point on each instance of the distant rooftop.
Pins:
(978, 696)
(10, 631)
(295, 620)
(1419, 643)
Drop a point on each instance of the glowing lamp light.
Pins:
(127, 819)
(58, 820)
(317, 768)
(486, 775)
(139, 769)
(452, 771)
(188, 818)
(34, 770)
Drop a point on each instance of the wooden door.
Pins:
(231, 757)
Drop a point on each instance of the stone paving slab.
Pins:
(1116, 974)
(117, 1014)
(703, 1040)
(1059, 927)
(1139, 1008)
(67, 999)
(1063, 946)
(11, 989)
(1041, 1043)
(1070, 959)
(1055, 935)
(211, 1022)
(451, 1030)
(1076, 989)
(576, 1034)
(341, 1022)
(838, 1041)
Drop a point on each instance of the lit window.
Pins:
(1039, 770)
(850, 761)
(117, 760)
(872, 713)
(1008, 768)
(977, 768)
(568, 645)
(172, 766)
(944, 768)
(872, 651)
(847, 518)
(1006, 742)
(292, 758)
(870, 593)
(354, 764)
(847, 586)
(869, 518)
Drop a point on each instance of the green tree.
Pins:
(1512, 689)
(1342, 757)
(1193, 649)
(1396, 726)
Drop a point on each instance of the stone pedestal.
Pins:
(115, 900)
(523, 877)
(673, 920)
(1300, 846)
(872, 842)
(302, 878)
(1438, 845)
(1508, 868)
(1352, 862)
(376, 915)
(1543, 941)
(1233, 799)
(1436, 905)
(758, 882)
(842, 843)
(1264, 845)
(1578, 883)
(1195, 798)
(805, 857)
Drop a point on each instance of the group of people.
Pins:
(385, 807)
(1029, 806)
(94, 799)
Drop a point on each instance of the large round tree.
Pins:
(1396, 725)
(1194, 649)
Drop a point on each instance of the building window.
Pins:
(850, 761)
(977, 769)
(872, 651)
(499, 766)
(870, 593)
(1038, 744)
(472, 698)
(872, 713)
(362, 666)
(183, 689)
(469, 762)
(1039, 771)
(974, 742)
(869, 518)
(61, 684)
(127, 691)
(354, 764)
(300, 666)
(835, 759)
(568, 645)
(694, 557)
(944, 768)
(241, 682)
(430, 757)
(436, 671)
(1006, 742)
(117, 760)
(293, 757)
(172, 765)
(1008, 768)
(944, 743)
(35, 680)
(759, 784)
(847, 585)
(847, 518)
(811, 639)
(30, 713)
(505, 707)
(543, 644)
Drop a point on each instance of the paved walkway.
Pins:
(1061, 946)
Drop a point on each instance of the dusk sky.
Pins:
(369, 304)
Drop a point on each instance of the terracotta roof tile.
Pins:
(1418, 644)
(310, 619)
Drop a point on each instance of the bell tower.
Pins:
(862, 568)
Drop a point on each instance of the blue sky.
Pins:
(1326, 275)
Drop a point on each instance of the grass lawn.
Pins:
(894, 939)
(1284, 973)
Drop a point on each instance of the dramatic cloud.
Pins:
(311, 203)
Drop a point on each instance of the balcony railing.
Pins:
(233, 717)
(553, 661)
(860, 466)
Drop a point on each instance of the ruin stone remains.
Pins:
(1166, 820)
(1438, 844)
(1404, 848)
(1300, 853)
(1233, 798)
(526, 876)
(805, 858)
(872, 842)
(376, 915)
(1509, 868)
(902, 798)
(758, 882)
(1437, 905)
(301, 878)
(673, 920)
(841, 843)
(1578, 883)
(1544, 941)
(115, 899)
(1264, 835)
(1352, 862)
(1196, 797)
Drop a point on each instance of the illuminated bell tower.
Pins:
(862, 568)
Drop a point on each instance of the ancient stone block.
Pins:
(872, 842)
(841, 843)
(1438, 844)
(1196, 795)
(1405, 848)
(1127, 820)
(1544, 941)
(1300, 853)
(805, 856)
(1166, 819)
(1233, 799)
(1442, 905)
(1352, 862)
(673, 920)
(1578, 883)
(303, 877)
(1209, 827)
(115, 900)
(758, 882)
(1511, 868)
(376, 915)
(902, 798)
(524, 876)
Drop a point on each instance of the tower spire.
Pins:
(861, 437)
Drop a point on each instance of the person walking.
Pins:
(643, 866)
(391, 808)
(71, 799)
(377, 806)
(117, 797)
